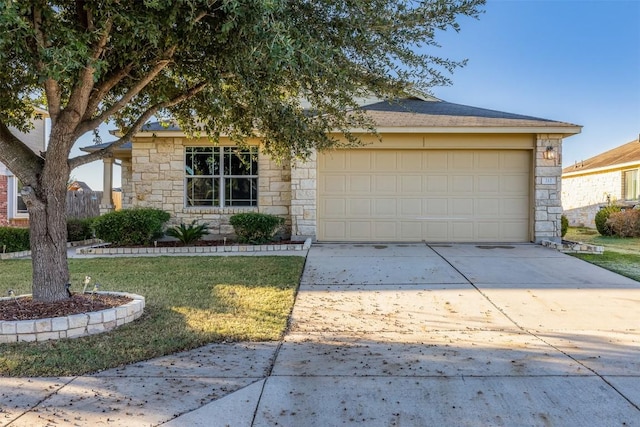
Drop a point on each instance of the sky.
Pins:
(575, 61)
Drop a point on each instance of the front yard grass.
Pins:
(621, 255)
(190, 301)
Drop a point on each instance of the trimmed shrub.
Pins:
(79, 229)
(625, 223)
(256, 228)
(564, 225)
(188, 233)
(14, 239)
(601, 219)
(137, 226)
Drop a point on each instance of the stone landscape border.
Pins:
(574, 247)
(24, 254)
(97, 250)
(73, 326)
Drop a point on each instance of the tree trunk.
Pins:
(48, 236)
(48, 232)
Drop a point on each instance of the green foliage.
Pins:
(79, 229)
(601, 219)
(136, 226)
(564, 225)
(14, 239)
(255, 228)
(624, 223)
(188, 233)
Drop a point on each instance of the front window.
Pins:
(21, 207)
(221, 176)
(631, 184)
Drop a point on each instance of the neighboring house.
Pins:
(79, 186)
(13, 211)
(610, 177)
(442, 172)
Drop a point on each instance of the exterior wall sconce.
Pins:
(549, 153)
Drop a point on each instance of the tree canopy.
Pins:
(236, 67)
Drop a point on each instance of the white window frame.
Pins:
(221, 178)
(12, 199)
(636, 184)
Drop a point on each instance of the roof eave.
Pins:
(563, 130)
(607, 168)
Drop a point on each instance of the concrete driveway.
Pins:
(392, 335)
(460, 335)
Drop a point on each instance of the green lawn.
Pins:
(621, 255)
(611, 243)
(190, 301)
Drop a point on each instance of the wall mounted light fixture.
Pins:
(549, 153)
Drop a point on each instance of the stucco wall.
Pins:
(582, 195)
(155, 178)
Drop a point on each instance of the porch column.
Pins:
(106, 204)
(548, 202)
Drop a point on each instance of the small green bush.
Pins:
(13, 239)
(255, 228)
(601, 219)
(188, 233)
(625, 223)
(137, 226)
(79, 229)
(564, 225)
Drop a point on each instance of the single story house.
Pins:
(441, 172)
(13, 211)
(609, 177)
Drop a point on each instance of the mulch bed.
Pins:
(24, 308)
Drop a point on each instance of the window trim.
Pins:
(626, 183)
(12, 199)
(221, 178)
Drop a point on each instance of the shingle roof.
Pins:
(627, 153)
(413, 112)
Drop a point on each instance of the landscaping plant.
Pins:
(255, 228)
(601, 219)
(187, 234)
(137, 226)
(564, 225)
(624, 223)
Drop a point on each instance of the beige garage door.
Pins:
(431, 195)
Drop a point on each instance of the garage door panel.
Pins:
(334, 208)
(360, 161)
(359, 208)
(411, 184)
(385, 183)
(334, 184)
(360, 184)
(432, 195)
(436, 184)
(385, 207)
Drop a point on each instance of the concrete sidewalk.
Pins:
(392, 335)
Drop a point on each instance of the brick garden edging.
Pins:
(73, 326)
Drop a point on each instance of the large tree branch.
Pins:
(18, 157)
(127, 97)
(81, 94)
(137, 125)
(51, 87)
(103, 89)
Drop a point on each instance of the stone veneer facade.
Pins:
(291, 192)
(547, 189)
(584, 194)
(154, 177)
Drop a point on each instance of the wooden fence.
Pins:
(83, 204)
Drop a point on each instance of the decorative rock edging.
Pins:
(574, 247)
(195, 249)
(73, 326)
(24, 254)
